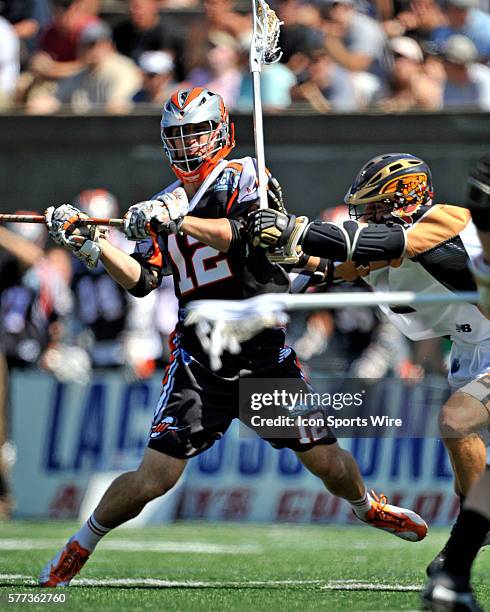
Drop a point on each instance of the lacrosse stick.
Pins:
(264, 49)
(7, 218)
(223, 324)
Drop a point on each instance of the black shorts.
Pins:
(196, 407)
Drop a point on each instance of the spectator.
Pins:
(328, 86)
(158, 81)
(357, 42)
(276, 81)
(297, 36)
(108, 79)
(464, 17)
(9, 62)
(417, 17)
(145, 30)
(28, 17)
(219, 16)
(411, 86)
(221, 72)
(56, 57)
(467, 83)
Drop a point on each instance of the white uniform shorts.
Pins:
(470, 373)
(469, 363)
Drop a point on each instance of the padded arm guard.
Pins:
(351, 240)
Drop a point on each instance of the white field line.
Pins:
(199, 547)
(332, 585)
(141, 546)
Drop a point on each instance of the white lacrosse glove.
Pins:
(162, 216)
(64, 228)
(481, 272)
(279, 232)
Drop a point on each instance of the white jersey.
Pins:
(438, 247)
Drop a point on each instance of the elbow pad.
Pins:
(145, 285)
(350, 240)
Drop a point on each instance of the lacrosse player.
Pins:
(195, 229)
(450, 587)
(398, 239)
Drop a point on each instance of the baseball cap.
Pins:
(407, 47)
(156, 62)
(459, 49)
(99, 30)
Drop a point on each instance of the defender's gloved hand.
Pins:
(64, 227)
(279, 232)
(164, 215)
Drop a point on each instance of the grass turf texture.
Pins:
(231, 567)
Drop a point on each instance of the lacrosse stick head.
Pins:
(222, 326)
(264, 48)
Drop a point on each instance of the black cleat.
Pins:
(436, 565)
(446, 593)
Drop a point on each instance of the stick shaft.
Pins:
(259, 139)
(8, 218)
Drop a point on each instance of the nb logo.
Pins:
(465, 328)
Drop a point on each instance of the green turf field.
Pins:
(223, 566)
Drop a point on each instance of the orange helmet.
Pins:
(195, 112)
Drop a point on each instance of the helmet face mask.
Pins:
(390, 186)
(196, 132)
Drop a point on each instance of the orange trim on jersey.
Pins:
(235, 166)
(439, 224)
(156, 259)
(231, 200)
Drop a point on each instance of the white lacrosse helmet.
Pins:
(189, 107)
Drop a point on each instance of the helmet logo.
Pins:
(410, 193)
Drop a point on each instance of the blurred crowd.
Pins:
(338, 55)
(60, 317)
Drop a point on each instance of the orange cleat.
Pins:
(60, 570)
(401, 522)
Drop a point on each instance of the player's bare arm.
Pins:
(124, 269)
(216, 233)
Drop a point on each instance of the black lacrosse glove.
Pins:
(270, 229)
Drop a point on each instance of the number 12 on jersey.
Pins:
(204, 270)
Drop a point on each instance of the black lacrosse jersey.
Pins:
(202, 272)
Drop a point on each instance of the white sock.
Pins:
(90, 534)
(362, 505)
